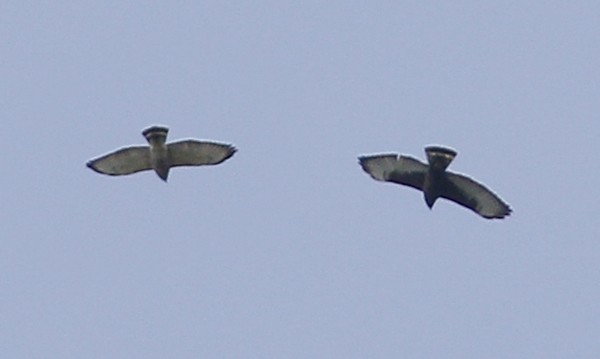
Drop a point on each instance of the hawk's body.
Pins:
(161, 156)
(435, 181)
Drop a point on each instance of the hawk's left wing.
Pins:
(393, 168)
(474, 196)
(123, 162)
(197, 153)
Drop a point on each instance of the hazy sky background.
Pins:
(289, 250)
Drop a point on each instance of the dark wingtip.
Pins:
(361, 161)
(90, 165)
(232, 150)
(507, 211)
(502, 215)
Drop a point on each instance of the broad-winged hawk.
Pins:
(161, 156)
(435, 181)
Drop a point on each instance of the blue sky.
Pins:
(289, 250)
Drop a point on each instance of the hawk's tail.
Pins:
(439, 158)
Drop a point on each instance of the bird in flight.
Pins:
(435, 181)
(161, 156)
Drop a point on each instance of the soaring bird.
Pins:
(435, 181)
(160, 156)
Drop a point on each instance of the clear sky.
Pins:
(289, 250)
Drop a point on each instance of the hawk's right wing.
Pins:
(475, 196)
(198, 153)
(393, 168)
(123, 162)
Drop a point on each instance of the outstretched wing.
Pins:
(475, 196)
(393, 168)
(123, 162)
(198, 153)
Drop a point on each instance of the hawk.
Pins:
(435, 181)
(160, 156)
